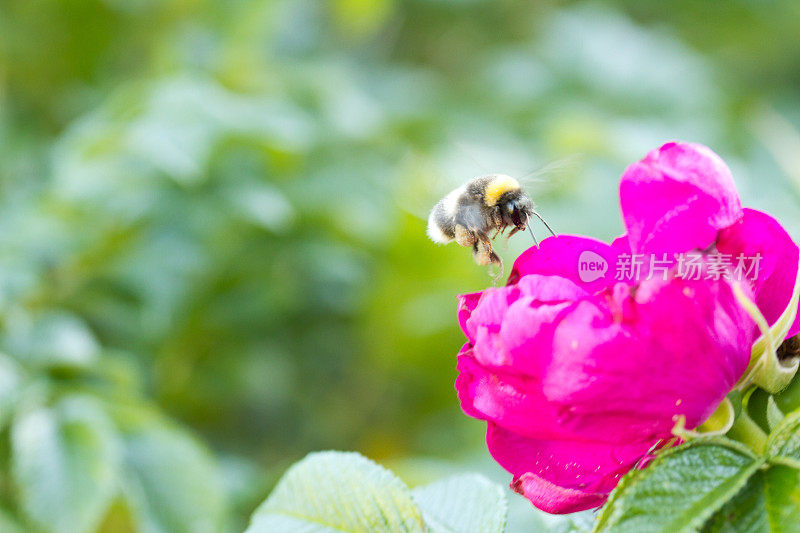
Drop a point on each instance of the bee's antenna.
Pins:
(530, 228)
(553, 233)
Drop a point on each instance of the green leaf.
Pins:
(335, 492)
(769, 503)
(464, 504)
(736, 399)
(745, 512)
(8, 524)
(773, 413)
(757, 401)
(680, 489)
(55, 339)
(169, 480)
(783, 444)
(783, 498)
(789, 398)
(65, 462)
(11, 380)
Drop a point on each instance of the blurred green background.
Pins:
(212, 220)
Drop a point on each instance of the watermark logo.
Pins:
(591, 266)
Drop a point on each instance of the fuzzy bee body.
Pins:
(469, 214)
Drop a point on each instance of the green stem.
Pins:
(745, 430)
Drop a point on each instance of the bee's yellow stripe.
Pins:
(498, 187)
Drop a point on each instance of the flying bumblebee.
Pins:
(470, 213)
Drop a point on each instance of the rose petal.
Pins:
(529, 311)
(485, 319)
(677, 198)
(526, 336)
(463, 384)
(562, 256)
(562, 477)
(774, 274)
(622, 244)
(549, 289)
(650, 359)
(553, 499)
(593, 369)
(494, 302)
(505, 399)
(466, 305)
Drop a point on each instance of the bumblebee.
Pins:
(469, 214)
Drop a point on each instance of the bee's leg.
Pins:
(497, 218)
(479, 255)
(495, 260)
(483, 237)
(482, 253)
(482, 250)
(485, 256)
(465, 237)
(499, 272)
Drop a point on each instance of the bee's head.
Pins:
(516, 209)
(504, 193)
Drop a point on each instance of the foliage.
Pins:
(708, 484)
(335, 491)
(714, 484)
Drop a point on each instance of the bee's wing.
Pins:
(471, 217)
(423, 184)
(539, 178)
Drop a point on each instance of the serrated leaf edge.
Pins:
(608, 516)
(430, 521)
(789, 423)
(265, 508)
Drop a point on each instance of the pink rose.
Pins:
(577, 379)
(681, 197)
